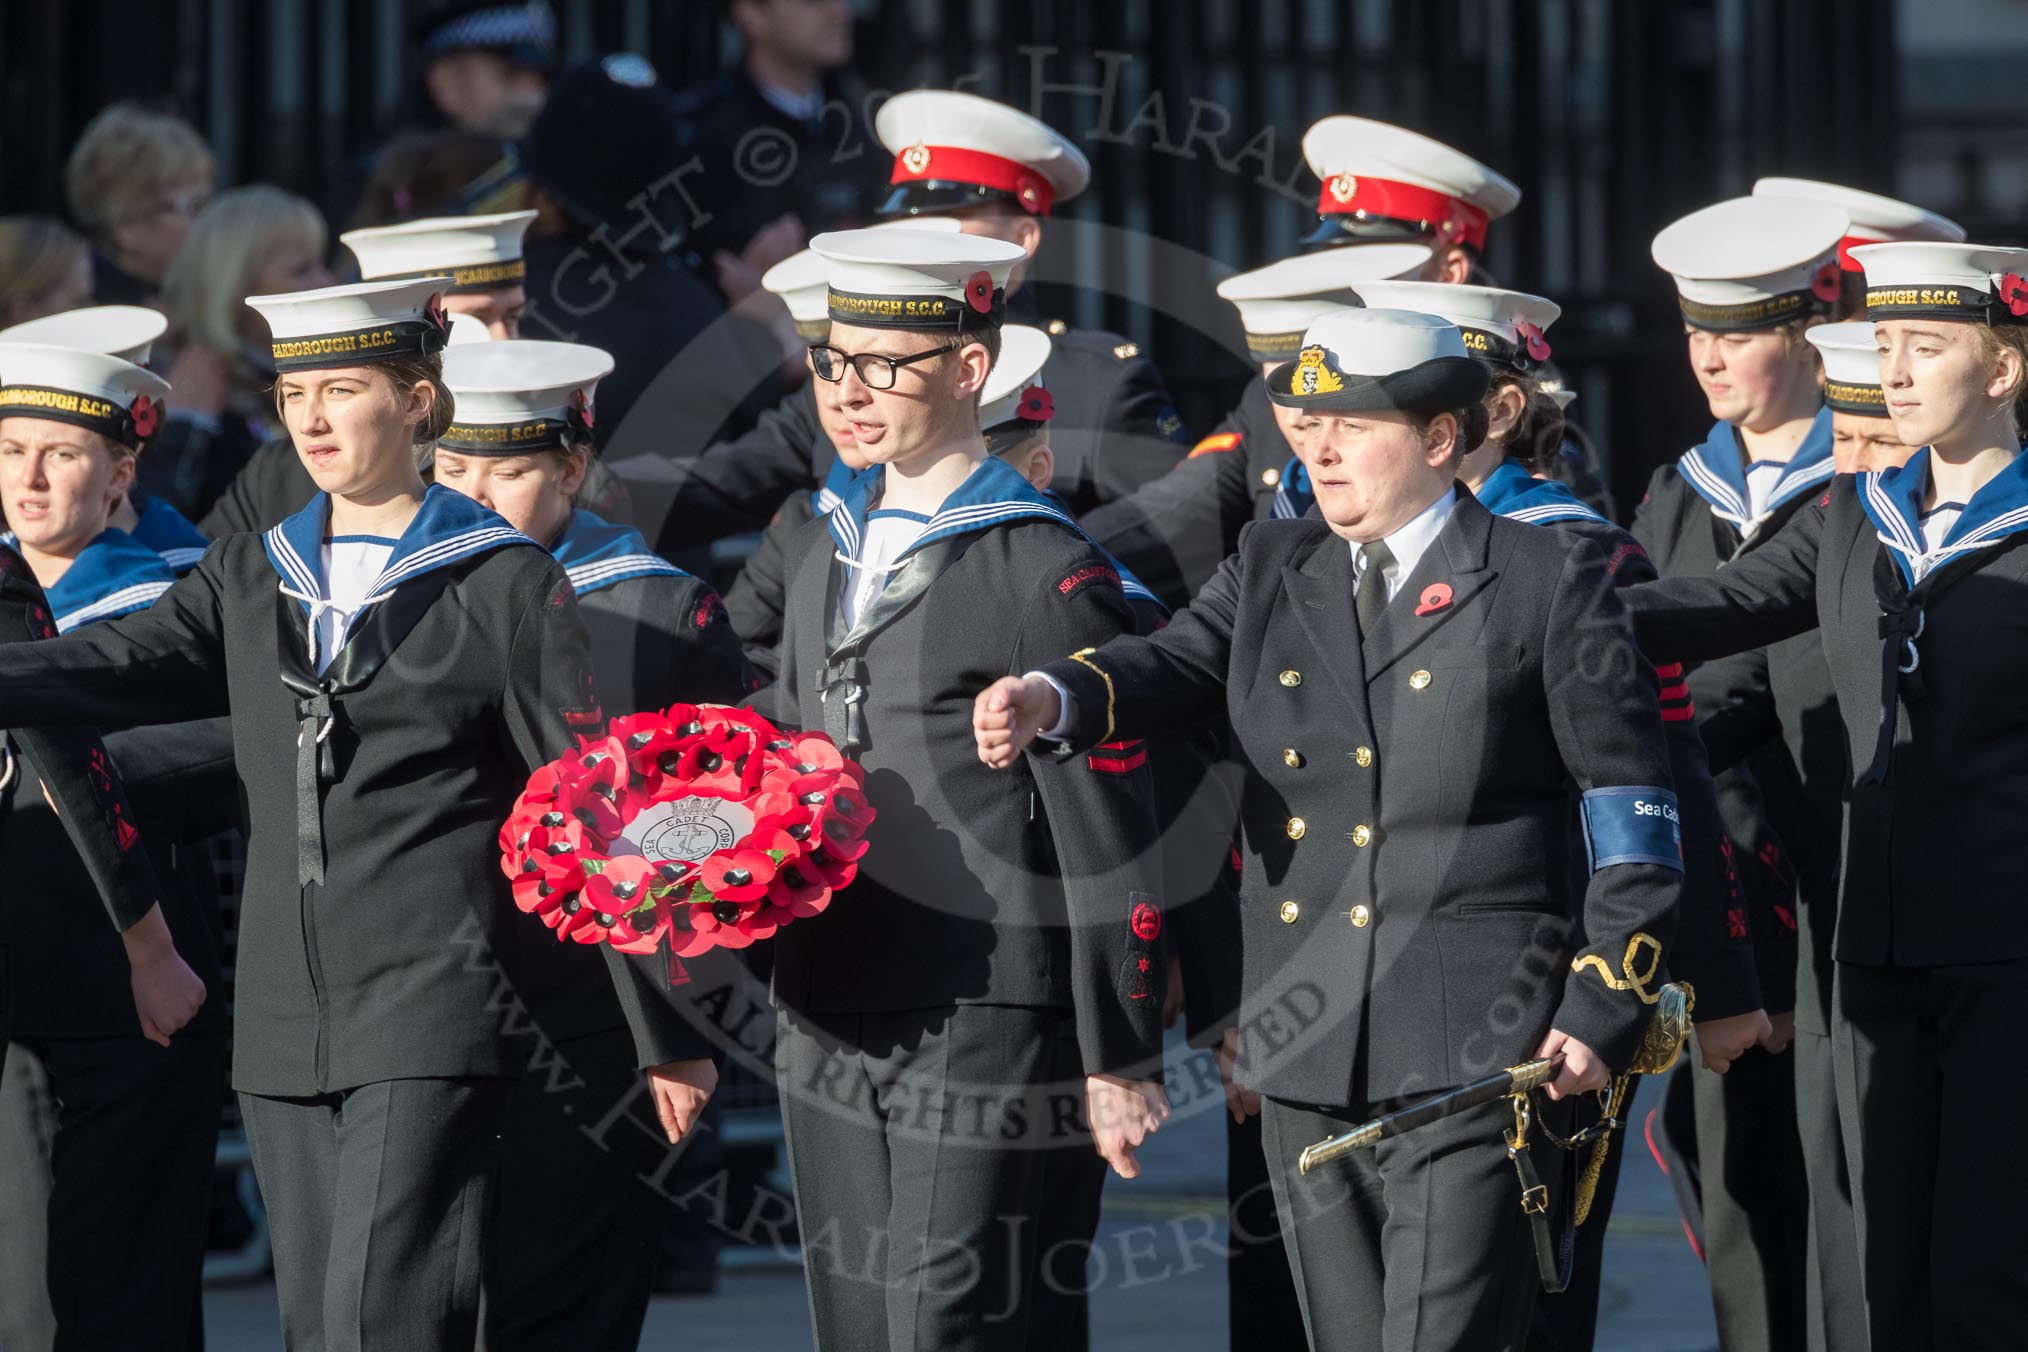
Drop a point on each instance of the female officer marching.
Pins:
(395, 662)
(1916, 579)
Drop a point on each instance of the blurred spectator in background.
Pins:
(423, 173)
(609, 266)
(251, 241)
(135, 181)
(45, 267)
(486, 66)
(786, 140)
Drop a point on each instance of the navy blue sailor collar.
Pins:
(836, 480)
(1716, 472)
(1892, 500)
(992, 495)
(1511, 491)
(112, 576)
(168, 532)
(596, 554)
(447, 529)
(1293, 495)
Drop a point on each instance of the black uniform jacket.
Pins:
(1036, 886)
(72, 765)
(1934, 853)
(389, 775)
(1407, 912)
(1174, 531)
(1762, 801)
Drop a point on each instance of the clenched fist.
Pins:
(1009, 714)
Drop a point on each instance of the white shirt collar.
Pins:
(1410, 541)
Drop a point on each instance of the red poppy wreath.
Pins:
(704, 825)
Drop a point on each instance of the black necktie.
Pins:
(1369, 598)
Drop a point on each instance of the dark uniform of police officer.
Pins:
(1389, 949)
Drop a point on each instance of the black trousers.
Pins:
(916, 1142)
(1756, 1202)
(1073, 1188)
(376, 1201)
(1932, 1109)
(1567, 1320)
(106, 1153)
(1261, 1305)
(585, 1178)
(1417, 1245)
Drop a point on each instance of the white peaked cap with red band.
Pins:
(1015, 381)
(1875, 219)
(519, 380)
(1502, 327)
(84, 388)
(124, 331)
(803, 279)
(1381, 176)
(1753, 262)
(942, 137)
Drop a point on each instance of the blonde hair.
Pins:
(403, 374)
(1990, 342)
(205, 291)
(36, 254)
(127, 160)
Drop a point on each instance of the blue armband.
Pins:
(1632, 826)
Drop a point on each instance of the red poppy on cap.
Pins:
(1036, 405)
(979, 292)
(1534, 341)
(147, 417)
(1827, 282)
(2014, 292)
(581, 410)
(435, 314)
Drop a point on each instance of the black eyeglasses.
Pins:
(876, 371)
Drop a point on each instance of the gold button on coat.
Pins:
(1362, 836)
(1289, 912)
(1361, 917)
(1363, 757)
(1419, 681)
(1270, 477)
(1292, 758)
(1292, 679)
(1296, 828)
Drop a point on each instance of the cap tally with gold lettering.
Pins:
(1851, 367)
(802, 279)
(1278, 302)
(913, 279)
(1970, 283)
(355, 325)
(481, 253)
(1753, 262)
(1014, 400)
(1359, 361)
(1386, 182)
(92, 390)
(124, 331)
(1875, 219)
(954, 150)
(1508, 330)
(521, 395)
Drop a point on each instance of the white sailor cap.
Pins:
(357, 324)
(93, 390)
(124, 331)
(1851, 367)
(955, 150)
(1875, 219)
(1014, 392)
(467, 329)
(914, 279)
(1973, 283)
(1505, 329)
(1278, 302)
(1360, 360)
(481, 253)
(802, 279)
(1753, 262)
(1386, 182)
(521, 395)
